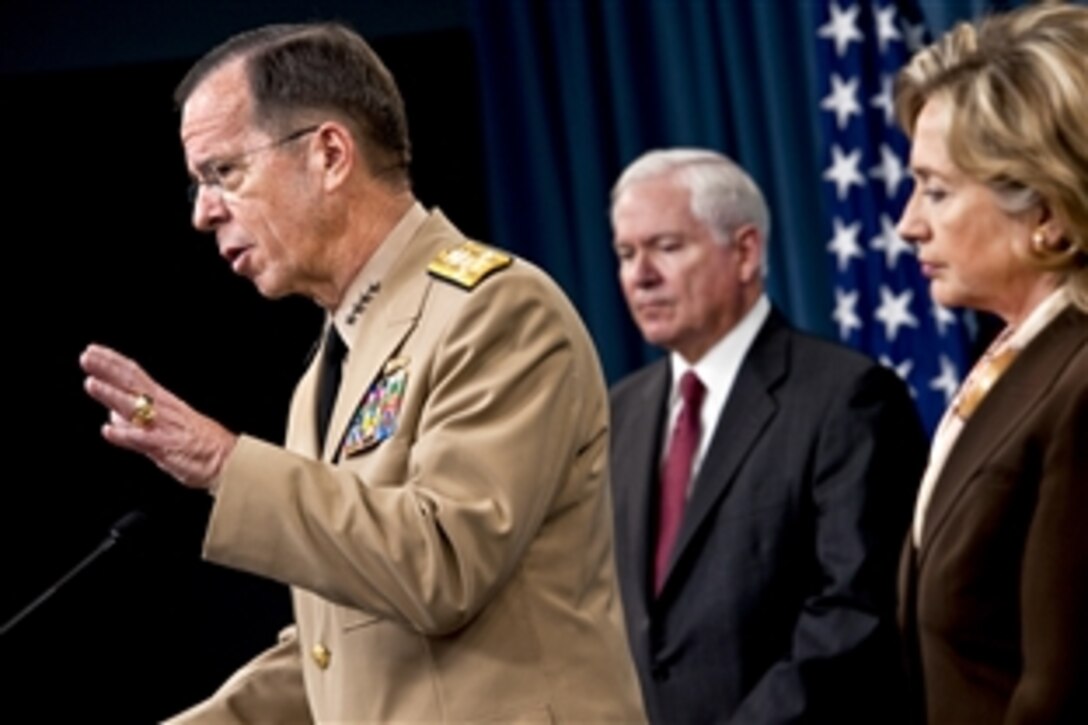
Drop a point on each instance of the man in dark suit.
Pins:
(759, 505)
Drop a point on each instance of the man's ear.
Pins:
(749, 247)
(336, 153)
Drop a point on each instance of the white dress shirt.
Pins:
(717, 370)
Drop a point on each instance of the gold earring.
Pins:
(1039, 243)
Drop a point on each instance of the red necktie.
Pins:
(676, 473)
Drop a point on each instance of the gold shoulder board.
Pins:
(468, 263)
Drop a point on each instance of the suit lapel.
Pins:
(747, 412)
(1004, 408)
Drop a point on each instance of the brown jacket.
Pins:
(994, 603)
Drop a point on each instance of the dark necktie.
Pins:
(328, 381)
(676, 473)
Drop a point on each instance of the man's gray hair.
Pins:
(723, 196)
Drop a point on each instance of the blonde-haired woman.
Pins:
(994, 581)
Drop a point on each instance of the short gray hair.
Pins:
(723, 196)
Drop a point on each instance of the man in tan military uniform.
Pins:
(449, 541)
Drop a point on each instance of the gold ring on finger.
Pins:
(144, 411)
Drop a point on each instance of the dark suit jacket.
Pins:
(779, 603)
(994, 603)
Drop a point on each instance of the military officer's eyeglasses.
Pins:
(226, 175)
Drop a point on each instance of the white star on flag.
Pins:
(843, 100)
(915, 35)
(886, 32)
(842, 28)
(845, 313)
(948, 382)
(889, 242)
(845, 243)
(890, 170)
(894, 311)
(844, 170)
(942, 316)
(902, 370)
(883, 100)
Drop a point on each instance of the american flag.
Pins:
(882, 301)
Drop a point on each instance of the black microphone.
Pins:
(123, 526)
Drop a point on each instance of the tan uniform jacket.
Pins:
(461, 569)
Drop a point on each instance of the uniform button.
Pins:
(321, 655)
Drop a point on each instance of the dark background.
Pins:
(99, 248)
